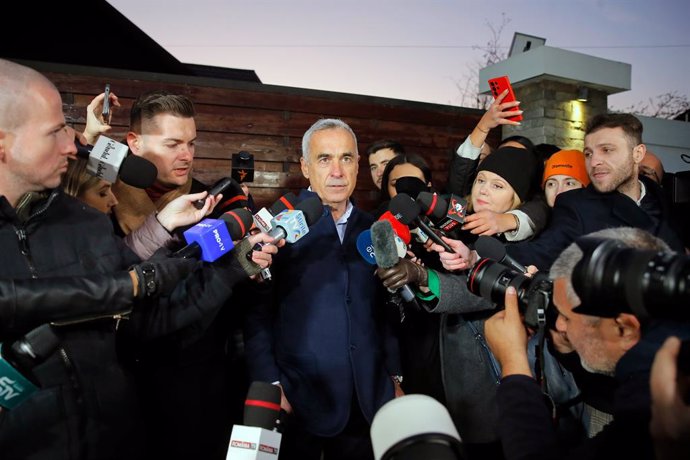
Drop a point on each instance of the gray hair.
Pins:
(323, 124)
(629, 236)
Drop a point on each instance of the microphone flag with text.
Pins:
(210, 239)
(108, 159)
(257, 438)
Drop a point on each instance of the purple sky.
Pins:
(414, 50)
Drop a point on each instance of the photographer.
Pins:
(608, 338)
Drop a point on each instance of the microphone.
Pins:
(236, 197)
(490, 248)
(257, 438)
(292, 224)
(262, 219)
(262, 406)
(17, 361)
(109, 159)
(400, 229)
(385, 252)
(365, 246)
(445, 216)
(407, 211)
(210, 239)
(414, 427)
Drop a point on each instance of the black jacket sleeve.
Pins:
(26, 303)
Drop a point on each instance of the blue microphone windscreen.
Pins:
(365, 247)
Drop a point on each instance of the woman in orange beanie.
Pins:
(564, 170)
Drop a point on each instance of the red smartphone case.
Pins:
(500, 84)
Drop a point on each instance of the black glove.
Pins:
(402, 273)
(160, 274)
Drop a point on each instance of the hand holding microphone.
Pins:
(403, 273)
(182, 211)
(160, 274)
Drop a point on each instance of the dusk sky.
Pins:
(414, 50)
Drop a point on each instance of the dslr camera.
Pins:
(609, 278)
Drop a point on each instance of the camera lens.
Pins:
(490, 279)
(651, 284)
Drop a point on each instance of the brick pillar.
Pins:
(552, 115)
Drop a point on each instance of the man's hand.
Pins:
(95, 124)
(181, 211)
(506, 335)
(488, 223)
(264, 257)
(462, 259)
(402, 273)
(160, 274)
(284, 403)
(670, 425)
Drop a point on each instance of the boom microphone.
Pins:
(109, 159)
(407, 211)
(490, 248)
(210, 239)
(385, 252)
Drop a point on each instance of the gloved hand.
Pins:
(160, 274)
(404, 272)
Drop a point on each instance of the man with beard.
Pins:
(609, 338)
(616, 197)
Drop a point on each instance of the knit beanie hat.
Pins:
(515, 166)
(569, 163)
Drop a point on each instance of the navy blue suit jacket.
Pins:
(322, 331)
(582, 211)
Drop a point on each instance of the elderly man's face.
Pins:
(332, 166)
(594, 339)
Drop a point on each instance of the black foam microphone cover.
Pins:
(238, 221)
(404, 208)
(312, 209)
(411, 186)
(491, 248)
(137, 172)
(433, 205)
(286, 201)
(262, 406)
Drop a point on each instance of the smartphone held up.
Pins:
(500, 84)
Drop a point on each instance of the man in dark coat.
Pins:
(616, 196)
(322, 336)
(608, 337)
(86, 403)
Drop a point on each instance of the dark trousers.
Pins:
(353, 443)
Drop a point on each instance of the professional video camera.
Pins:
(609, 279)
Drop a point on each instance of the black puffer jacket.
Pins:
(86, 407)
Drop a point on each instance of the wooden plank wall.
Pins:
(269, 121)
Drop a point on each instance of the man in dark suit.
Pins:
(322, 335)
(616, 196)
